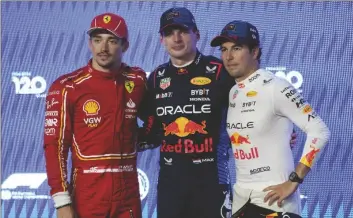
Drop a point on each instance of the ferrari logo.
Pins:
(129, 86)
(107, 19)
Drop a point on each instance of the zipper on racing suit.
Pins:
(120, 142)
(131, 214)
(117, 102)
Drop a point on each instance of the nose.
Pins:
(104, 46)
(229, 56)
(176, 36)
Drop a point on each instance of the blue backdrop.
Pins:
(309, 43)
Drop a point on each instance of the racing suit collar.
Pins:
(106, 75)
(252, 79)
(195, 62)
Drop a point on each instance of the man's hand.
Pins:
(293, 140)
(65, 212)
(280, 192)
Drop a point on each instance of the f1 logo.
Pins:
(31, 180)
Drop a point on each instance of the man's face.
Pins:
(179, 41)
(238, 59)
(107, 49)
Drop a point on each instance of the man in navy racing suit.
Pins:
(182, 113)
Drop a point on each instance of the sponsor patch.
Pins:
(251, 94)
(200, 81)
(129, 86)
(165, 83)
(91, 107)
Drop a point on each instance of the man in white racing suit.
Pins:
(262, 110)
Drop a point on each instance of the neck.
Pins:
(183, 60)
(112, 68)
(245, 76)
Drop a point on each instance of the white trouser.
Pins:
(241, 196)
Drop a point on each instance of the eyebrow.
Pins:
(233, 46)
(181, 29)
(100, 37)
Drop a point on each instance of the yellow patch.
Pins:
(129, 86)
(107, 19)
(251, 94)
(200, 81)
(91, 107)
(307, 109)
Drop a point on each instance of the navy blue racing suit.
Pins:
(182, 113)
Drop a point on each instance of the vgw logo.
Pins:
(25, 85)
(294, 77)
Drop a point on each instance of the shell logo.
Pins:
(200, 81)
(91, 107)
(251, 94)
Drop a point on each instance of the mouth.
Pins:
(232, 65)
(104, 56)
(178, 47)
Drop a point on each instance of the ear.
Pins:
(161, 39)
(255, 52)
(126, 45)
(197, 35)
(90, 44)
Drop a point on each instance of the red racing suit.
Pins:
(93, 114)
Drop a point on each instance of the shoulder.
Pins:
(267, 79)
(134, 73)
(160, 69)
(214, 64)
(135, 70)
(279, 86)
(157, 72)
(70, 79)
(210, 58)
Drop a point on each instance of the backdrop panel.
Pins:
(309, 43)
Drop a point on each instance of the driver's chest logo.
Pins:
(129, 86)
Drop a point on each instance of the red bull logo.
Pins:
(182, 71)
(272, 215)
(183, 127)
(308, 159)
(241, 154)
(238, 139)
(187, 146)
(307, 109)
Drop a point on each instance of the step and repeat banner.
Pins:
(308, 43)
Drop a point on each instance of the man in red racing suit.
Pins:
(92, 112)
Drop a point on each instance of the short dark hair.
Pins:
(252, 46)
(194, 29)
(104, 31)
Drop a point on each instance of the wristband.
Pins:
(63, 206)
